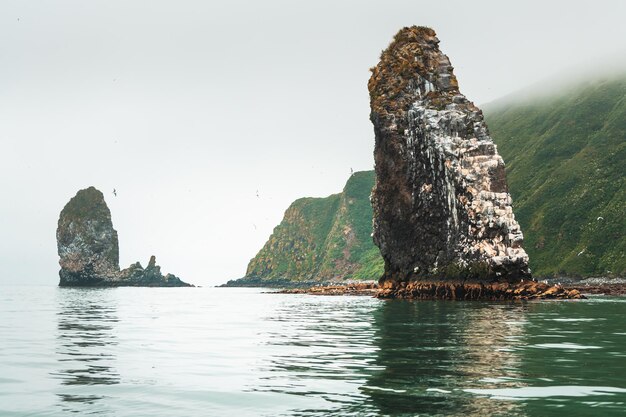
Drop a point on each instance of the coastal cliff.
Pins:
(441, 203)
(88, 249)
(320, 240)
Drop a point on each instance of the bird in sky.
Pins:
(257, 194)
(114, 192)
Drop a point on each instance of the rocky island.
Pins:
(88, 249)
(442, 213)
(441, 202)
(443, 216)
(449, 231)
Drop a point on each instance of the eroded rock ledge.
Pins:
(88, 249)
(438, 290)
(525, 290)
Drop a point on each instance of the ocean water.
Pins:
(242, 352)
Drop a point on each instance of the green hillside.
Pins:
(565, 158)
(322, 239)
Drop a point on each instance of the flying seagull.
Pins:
(114, 192)
(257, 194)
(581, 252)
(600, 218)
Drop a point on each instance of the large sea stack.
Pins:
(442, 209)
(89, 251)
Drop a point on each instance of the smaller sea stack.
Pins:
(88, 249)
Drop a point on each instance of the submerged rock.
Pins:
(88, 248)
(441, 203)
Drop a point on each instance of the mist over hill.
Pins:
(565, 158)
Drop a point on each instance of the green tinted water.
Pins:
(204, 351)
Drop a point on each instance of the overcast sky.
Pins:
(188, 108)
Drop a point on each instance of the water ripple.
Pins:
(182, 352)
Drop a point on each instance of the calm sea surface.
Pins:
(239, 352)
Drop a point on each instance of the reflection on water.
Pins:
(393, 358)
(428, 348)
(435, 358)
(206, 351)
(322, 351)
(86, 324)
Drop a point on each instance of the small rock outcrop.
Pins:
(441, 203)
(88, 248)
(151, 276)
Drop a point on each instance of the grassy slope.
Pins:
(565, 159)
(323, 238)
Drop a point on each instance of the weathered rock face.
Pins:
(86, 240)
(89, 251)
(441, 202)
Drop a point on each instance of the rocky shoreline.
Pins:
(599, 289)
(440, 290)
(255, 282)
(369, 288)
(593, 285)
(496, 291)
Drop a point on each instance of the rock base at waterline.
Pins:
(525, 290)
(438, 290)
